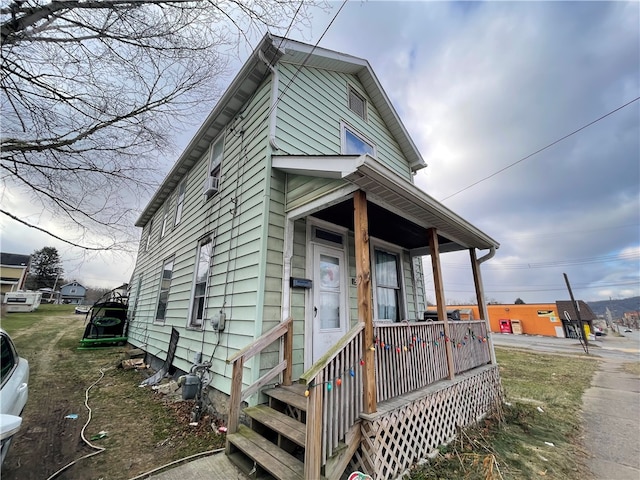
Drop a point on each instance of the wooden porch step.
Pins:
(279, 422)
(292, 395)
(266, 454)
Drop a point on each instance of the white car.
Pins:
(14, 371)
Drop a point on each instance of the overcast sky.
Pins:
(480, 86)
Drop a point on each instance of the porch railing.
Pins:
(409, 356)
(469, 344)
(334, 384)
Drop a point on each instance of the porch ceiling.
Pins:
(399, 212)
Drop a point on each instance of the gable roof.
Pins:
(586, 313)
(14, 259)
(252, 73)
(73, 284)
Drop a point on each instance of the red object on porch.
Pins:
(505, 326)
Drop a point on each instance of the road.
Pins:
(625, 347)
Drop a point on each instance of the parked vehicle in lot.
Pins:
(14, 372)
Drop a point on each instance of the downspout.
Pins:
(482, 306)
(286, 270)
(275, 84)
(488, 256)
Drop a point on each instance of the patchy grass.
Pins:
(537, 433)
(632, 367)
(145, 429)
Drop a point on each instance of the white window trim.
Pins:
(202, 241)
(156, 320)
(343, 139)
(180, 200)
(374, 244)
(165, 219)
(215, 164)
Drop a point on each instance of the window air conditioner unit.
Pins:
(210, 186)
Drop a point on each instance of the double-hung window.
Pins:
(180, 201)
(201, 281)
(165, 284)
(387, 281)
(165, 220)
(212, 182)
(353, 143)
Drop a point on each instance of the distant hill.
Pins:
(617, 307)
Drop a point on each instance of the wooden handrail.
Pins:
(260, 343)
(284, 329)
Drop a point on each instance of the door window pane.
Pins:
(329, 310)
(329, 292)
(329, 272)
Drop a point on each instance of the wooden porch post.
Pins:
(482, 306)
(440, 300)
(365, 312)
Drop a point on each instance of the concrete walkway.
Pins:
(611, 414)
(214, 467)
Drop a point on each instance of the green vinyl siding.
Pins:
(234, 216)
(247, 221)
(311, 109)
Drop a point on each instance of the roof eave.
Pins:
(211, 127)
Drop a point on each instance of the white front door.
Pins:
(329, 309)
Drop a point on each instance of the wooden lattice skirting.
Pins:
(406, 430)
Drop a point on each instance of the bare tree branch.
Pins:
(93, 92)
(83, 247)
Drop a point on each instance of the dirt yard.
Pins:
(144, 429)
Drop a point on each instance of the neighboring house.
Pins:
(547, 319)
(72, 293)
(14, 269)
(292, 214)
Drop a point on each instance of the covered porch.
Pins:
(387, 393)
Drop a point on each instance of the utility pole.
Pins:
(575, 305)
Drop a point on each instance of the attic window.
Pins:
(354, 143)
(357, 104)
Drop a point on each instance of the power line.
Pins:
(550, 289)
(552, 263)
(558, 233)
(540, 150)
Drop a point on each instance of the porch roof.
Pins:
(405, 206)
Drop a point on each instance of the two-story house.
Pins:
(72, 293)
(285, 246)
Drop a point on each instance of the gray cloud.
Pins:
(480, 85)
